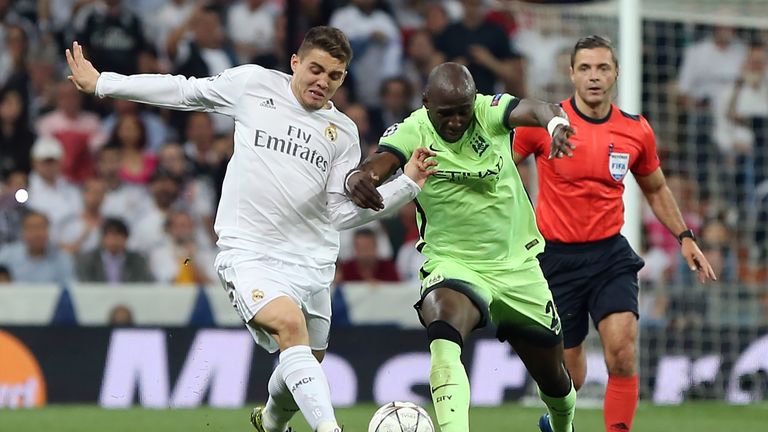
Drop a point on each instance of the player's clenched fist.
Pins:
(84, 75)
(361, 184)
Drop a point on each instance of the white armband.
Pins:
(555, 122)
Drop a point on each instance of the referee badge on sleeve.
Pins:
(618, 165)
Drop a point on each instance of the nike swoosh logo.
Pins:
(432, 147)
(434, 389)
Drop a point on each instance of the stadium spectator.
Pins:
(35, 259)
(200, 144)
(171, 16)
(16, 137)
(112, 262)
(12, 206)
(395, 95)
(114, 36)
(251, 27)
(366, 265)
(13, 58)
(376, 42)
(49, 192)
(360, 116)
(422, 58)
(124, 200)
(136, 163)
(708, 67)
(147, 232)
(80, 233)
(484, 48)
(744, 118)
(120, 316)
(182, 257)
(78, 131)
(158, 132)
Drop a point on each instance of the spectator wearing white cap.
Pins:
(49, 193)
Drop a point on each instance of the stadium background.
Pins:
(75, 336)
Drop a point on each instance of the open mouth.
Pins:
(316, 94)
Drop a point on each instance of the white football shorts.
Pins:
(252, 280)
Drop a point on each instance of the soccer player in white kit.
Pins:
(282, 202)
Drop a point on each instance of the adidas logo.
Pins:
(620, 427)
(269, 103)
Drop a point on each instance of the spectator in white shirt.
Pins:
(49, 193)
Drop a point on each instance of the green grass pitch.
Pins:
(690, 417)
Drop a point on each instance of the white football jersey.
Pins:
(286, 158)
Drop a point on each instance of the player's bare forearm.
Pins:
(662, 202)
(380, 166)
(360, 184)
(532, 112)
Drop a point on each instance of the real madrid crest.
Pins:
(331, 133)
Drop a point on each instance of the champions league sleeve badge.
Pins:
(331, 133)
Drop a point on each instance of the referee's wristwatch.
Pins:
(686, 234)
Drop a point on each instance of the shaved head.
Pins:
(450, 80)
(450, 100)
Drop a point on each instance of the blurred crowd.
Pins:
(113, 191)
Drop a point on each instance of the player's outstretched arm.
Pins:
(212, 94)
(83, 74)
(532, 112)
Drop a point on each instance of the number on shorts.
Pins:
(550, 309)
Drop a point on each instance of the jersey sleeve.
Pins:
(529, 140)
(493, 111)
(218, 93)
(401, 139)
(343, 163)
(648, 161)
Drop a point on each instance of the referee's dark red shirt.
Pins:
(580, 198)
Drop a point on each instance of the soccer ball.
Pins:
(401, 417)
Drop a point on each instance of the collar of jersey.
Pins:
(588, 119)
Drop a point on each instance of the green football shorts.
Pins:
(517, 301)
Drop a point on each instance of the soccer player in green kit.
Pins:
(478, 231)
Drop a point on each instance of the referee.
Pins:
(590, 267)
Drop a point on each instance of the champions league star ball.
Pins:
(401, 417)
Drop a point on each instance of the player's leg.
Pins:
(576, 363)
(267, 296)
(613, 305)
(525, 315)
(280, 407)
(450, 309)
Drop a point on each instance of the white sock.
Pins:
(280, 406)
(306, 381)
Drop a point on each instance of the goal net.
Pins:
(705, 92)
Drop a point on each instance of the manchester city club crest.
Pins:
(618, 165)
(331, 133)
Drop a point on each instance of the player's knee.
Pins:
(578, 380)
(290, 326)
(621, 360)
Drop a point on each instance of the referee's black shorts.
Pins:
(599, 278)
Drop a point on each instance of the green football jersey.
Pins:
(475, 209)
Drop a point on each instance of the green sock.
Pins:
(561, 410)
(450, 386)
